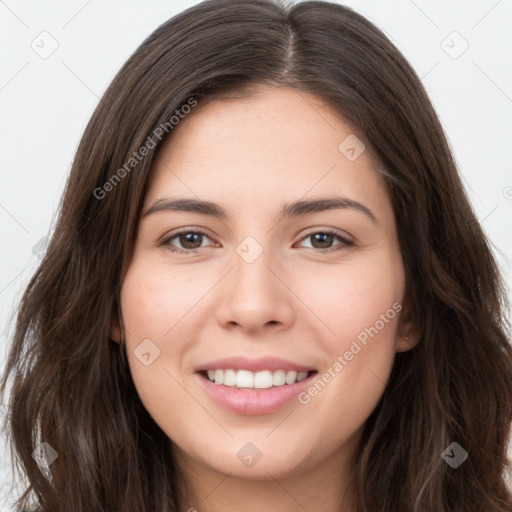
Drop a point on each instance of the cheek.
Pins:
(155, 301)
(152, 313)
(358, 309)
(350, 385)
(350, 298)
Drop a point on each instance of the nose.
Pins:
(256, 296)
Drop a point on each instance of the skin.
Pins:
(295, 301)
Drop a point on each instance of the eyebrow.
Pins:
(296, 209)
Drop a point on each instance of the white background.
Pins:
(46, 103)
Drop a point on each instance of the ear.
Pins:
(115, 329)
(409, 335)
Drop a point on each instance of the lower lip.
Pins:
(254, 402)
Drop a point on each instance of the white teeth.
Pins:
(257, 380)
(229, 378)
(244, 379)
(263, 380)
(279, 378)
(301, 376)
(219, 377)
(291, 377)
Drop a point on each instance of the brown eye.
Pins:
(322, 240)
(189, 241)
(325, 240)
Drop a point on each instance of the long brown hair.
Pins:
(71, 384)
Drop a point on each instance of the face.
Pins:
(266, 253)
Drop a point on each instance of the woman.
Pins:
(266, 289)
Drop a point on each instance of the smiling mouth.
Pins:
(257, 381)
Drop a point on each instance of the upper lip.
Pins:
(254, 365)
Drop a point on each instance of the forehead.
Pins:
(277, 121)
(277, 144)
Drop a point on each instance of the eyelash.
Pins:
(345, 243)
